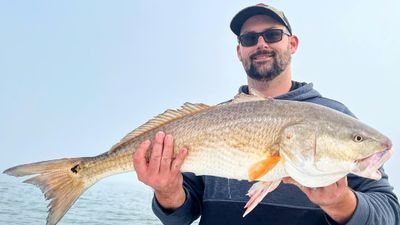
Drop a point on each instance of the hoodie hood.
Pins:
(300, 91)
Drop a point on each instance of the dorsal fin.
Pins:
(255, 92)
(163, 118)
(242, 97)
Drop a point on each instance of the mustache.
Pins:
(263, 52)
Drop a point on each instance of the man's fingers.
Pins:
(167, 155)
(154, 163)
(177, 163)
(139, 157)
(287, 180)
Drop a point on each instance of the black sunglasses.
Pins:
(270, 36)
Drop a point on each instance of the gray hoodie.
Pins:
(220, 201)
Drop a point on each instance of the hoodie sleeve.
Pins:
(376, 202)
(191, 208)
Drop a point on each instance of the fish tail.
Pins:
(60, 182)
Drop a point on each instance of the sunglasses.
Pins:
(270, 36)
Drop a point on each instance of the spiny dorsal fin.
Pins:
(242, 97)
(165, 117)
(255, 92)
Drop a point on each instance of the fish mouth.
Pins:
(369, 166)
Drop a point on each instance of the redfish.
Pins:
(250, 138)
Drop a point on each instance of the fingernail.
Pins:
(168, 137)
(146, 142)
(160, 134)
(184, 151)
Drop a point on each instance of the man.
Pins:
(266, 44)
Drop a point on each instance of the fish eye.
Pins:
(358, 138)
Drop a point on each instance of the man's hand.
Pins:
(162, 172)
(337, 199)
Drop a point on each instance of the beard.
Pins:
(267, 71)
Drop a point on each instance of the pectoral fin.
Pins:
(262, 167)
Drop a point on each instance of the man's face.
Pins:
(265, 61)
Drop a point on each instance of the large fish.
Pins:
(250, 138)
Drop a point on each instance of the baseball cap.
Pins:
(259, 9)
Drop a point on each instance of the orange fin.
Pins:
(262, 167)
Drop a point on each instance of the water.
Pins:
(110, 201)
(113, 201)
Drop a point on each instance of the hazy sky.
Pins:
(76, 76)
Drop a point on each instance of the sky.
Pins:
(76, 76)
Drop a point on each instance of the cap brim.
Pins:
(239, 19)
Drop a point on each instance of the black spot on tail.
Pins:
(76, 168)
